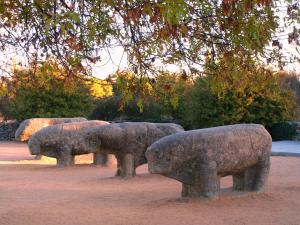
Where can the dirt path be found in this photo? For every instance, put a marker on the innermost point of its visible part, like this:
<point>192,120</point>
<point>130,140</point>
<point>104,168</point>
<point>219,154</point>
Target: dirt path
<point>36,193</point>
<point>14,151</point>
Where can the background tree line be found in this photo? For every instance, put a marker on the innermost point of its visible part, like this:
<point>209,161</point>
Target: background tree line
<point>228,93</point>
<point>44,90</point>
<point>225,46</point>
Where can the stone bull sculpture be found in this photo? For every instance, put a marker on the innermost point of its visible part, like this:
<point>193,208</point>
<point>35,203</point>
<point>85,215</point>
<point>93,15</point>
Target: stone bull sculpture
<point>64,141</point>
<point>30,126</point>
<point>198,158</point>
<point>128,142</point>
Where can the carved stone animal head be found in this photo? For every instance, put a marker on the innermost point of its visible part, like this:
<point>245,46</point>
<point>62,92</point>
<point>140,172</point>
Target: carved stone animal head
<point>166,154</point>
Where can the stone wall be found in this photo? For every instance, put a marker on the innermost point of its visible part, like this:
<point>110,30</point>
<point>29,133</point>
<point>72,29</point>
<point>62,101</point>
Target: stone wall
<point>8,129</point>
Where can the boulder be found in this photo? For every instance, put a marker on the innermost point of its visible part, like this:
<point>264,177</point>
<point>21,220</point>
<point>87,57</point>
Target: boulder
<point>8,129</point>
<point>128,142</point>
<point>28,127</point>
<point>64,141</point>
<point>198,158</point>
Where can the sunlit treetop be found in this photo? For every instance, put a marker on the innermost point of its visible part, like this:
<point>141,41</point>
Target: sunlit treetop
<point>184,33</point>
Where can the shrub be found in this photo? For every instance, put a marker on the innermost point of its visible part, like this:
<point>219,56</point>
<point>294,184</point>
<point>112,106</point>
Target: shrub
<point>282,131</point>
<point>291,81</point>
<point>152,112</point>
<point>32,103</point>
<point>45,90</point>
<point>106,109</point>
<point>3,101</point>
<point>110,109</point>
<point>232,94</point>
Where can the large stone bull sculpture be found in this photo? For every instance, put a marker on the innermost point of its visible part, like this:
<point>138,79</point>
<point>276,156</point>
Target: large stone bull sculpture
<point>128,142</point>
<point>64,141</point>
<point>30,126</point>
<point>198,158</point>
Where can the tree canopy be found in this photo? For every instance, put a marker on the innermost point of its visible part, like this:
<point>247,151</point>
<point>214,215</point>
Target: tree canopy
<point>43,90</point>
<point>238,94</point>
<point>185,33</point>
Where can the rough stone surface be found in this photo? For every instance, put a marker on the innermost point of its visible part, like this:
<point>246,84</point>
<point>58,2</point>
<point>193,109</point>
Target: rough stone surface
<point>198,158</point>
<point>64,141</point>
<point>28,127</point>
<point>128,142</point>
<point>8,129</point>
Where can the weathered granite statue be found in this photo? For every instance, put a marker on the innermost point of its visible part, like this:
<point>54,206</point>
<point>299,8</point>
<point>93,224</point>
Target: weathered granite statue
<point>28,127</point>
<point>128,142</point>
<point>198,158</point>
<point>64,141</point>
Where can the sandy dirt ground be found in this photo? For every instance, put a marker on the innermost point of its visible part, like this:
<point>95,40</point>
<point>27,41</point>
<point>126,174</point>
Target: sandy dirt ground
<point>38,193</point>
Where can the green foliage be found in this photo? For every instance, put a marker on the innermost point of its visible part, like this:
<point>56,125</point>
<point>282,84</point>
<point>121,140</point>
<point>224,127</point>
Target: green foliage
<point>143,99</point>
<point>169,89</point>
<point>128,86</point>
<point>32,103</point>
<point>291,81</point>
<point>3,89</point>
<point>44,90</point>
<point>109,109</point>
<point>186,33</point>
<point>3,93</point>
<point>98,88</point>
<point>231,93</point>
<point>180,32</point>
<point>106,109</point>
<point>282,131</point>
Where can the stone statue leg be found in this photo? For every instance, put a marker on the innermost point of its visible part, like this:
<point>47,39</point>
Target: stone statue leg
<point>254,178</point>
<point>126,167</point>
<point>263,168</point>
<point>118,173</point>
<point>100,158</point>
<point>65,158</point>
<point>238,181</point>
<point>207,183</point>
<point>249,179</point>
<point>245,180</point>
